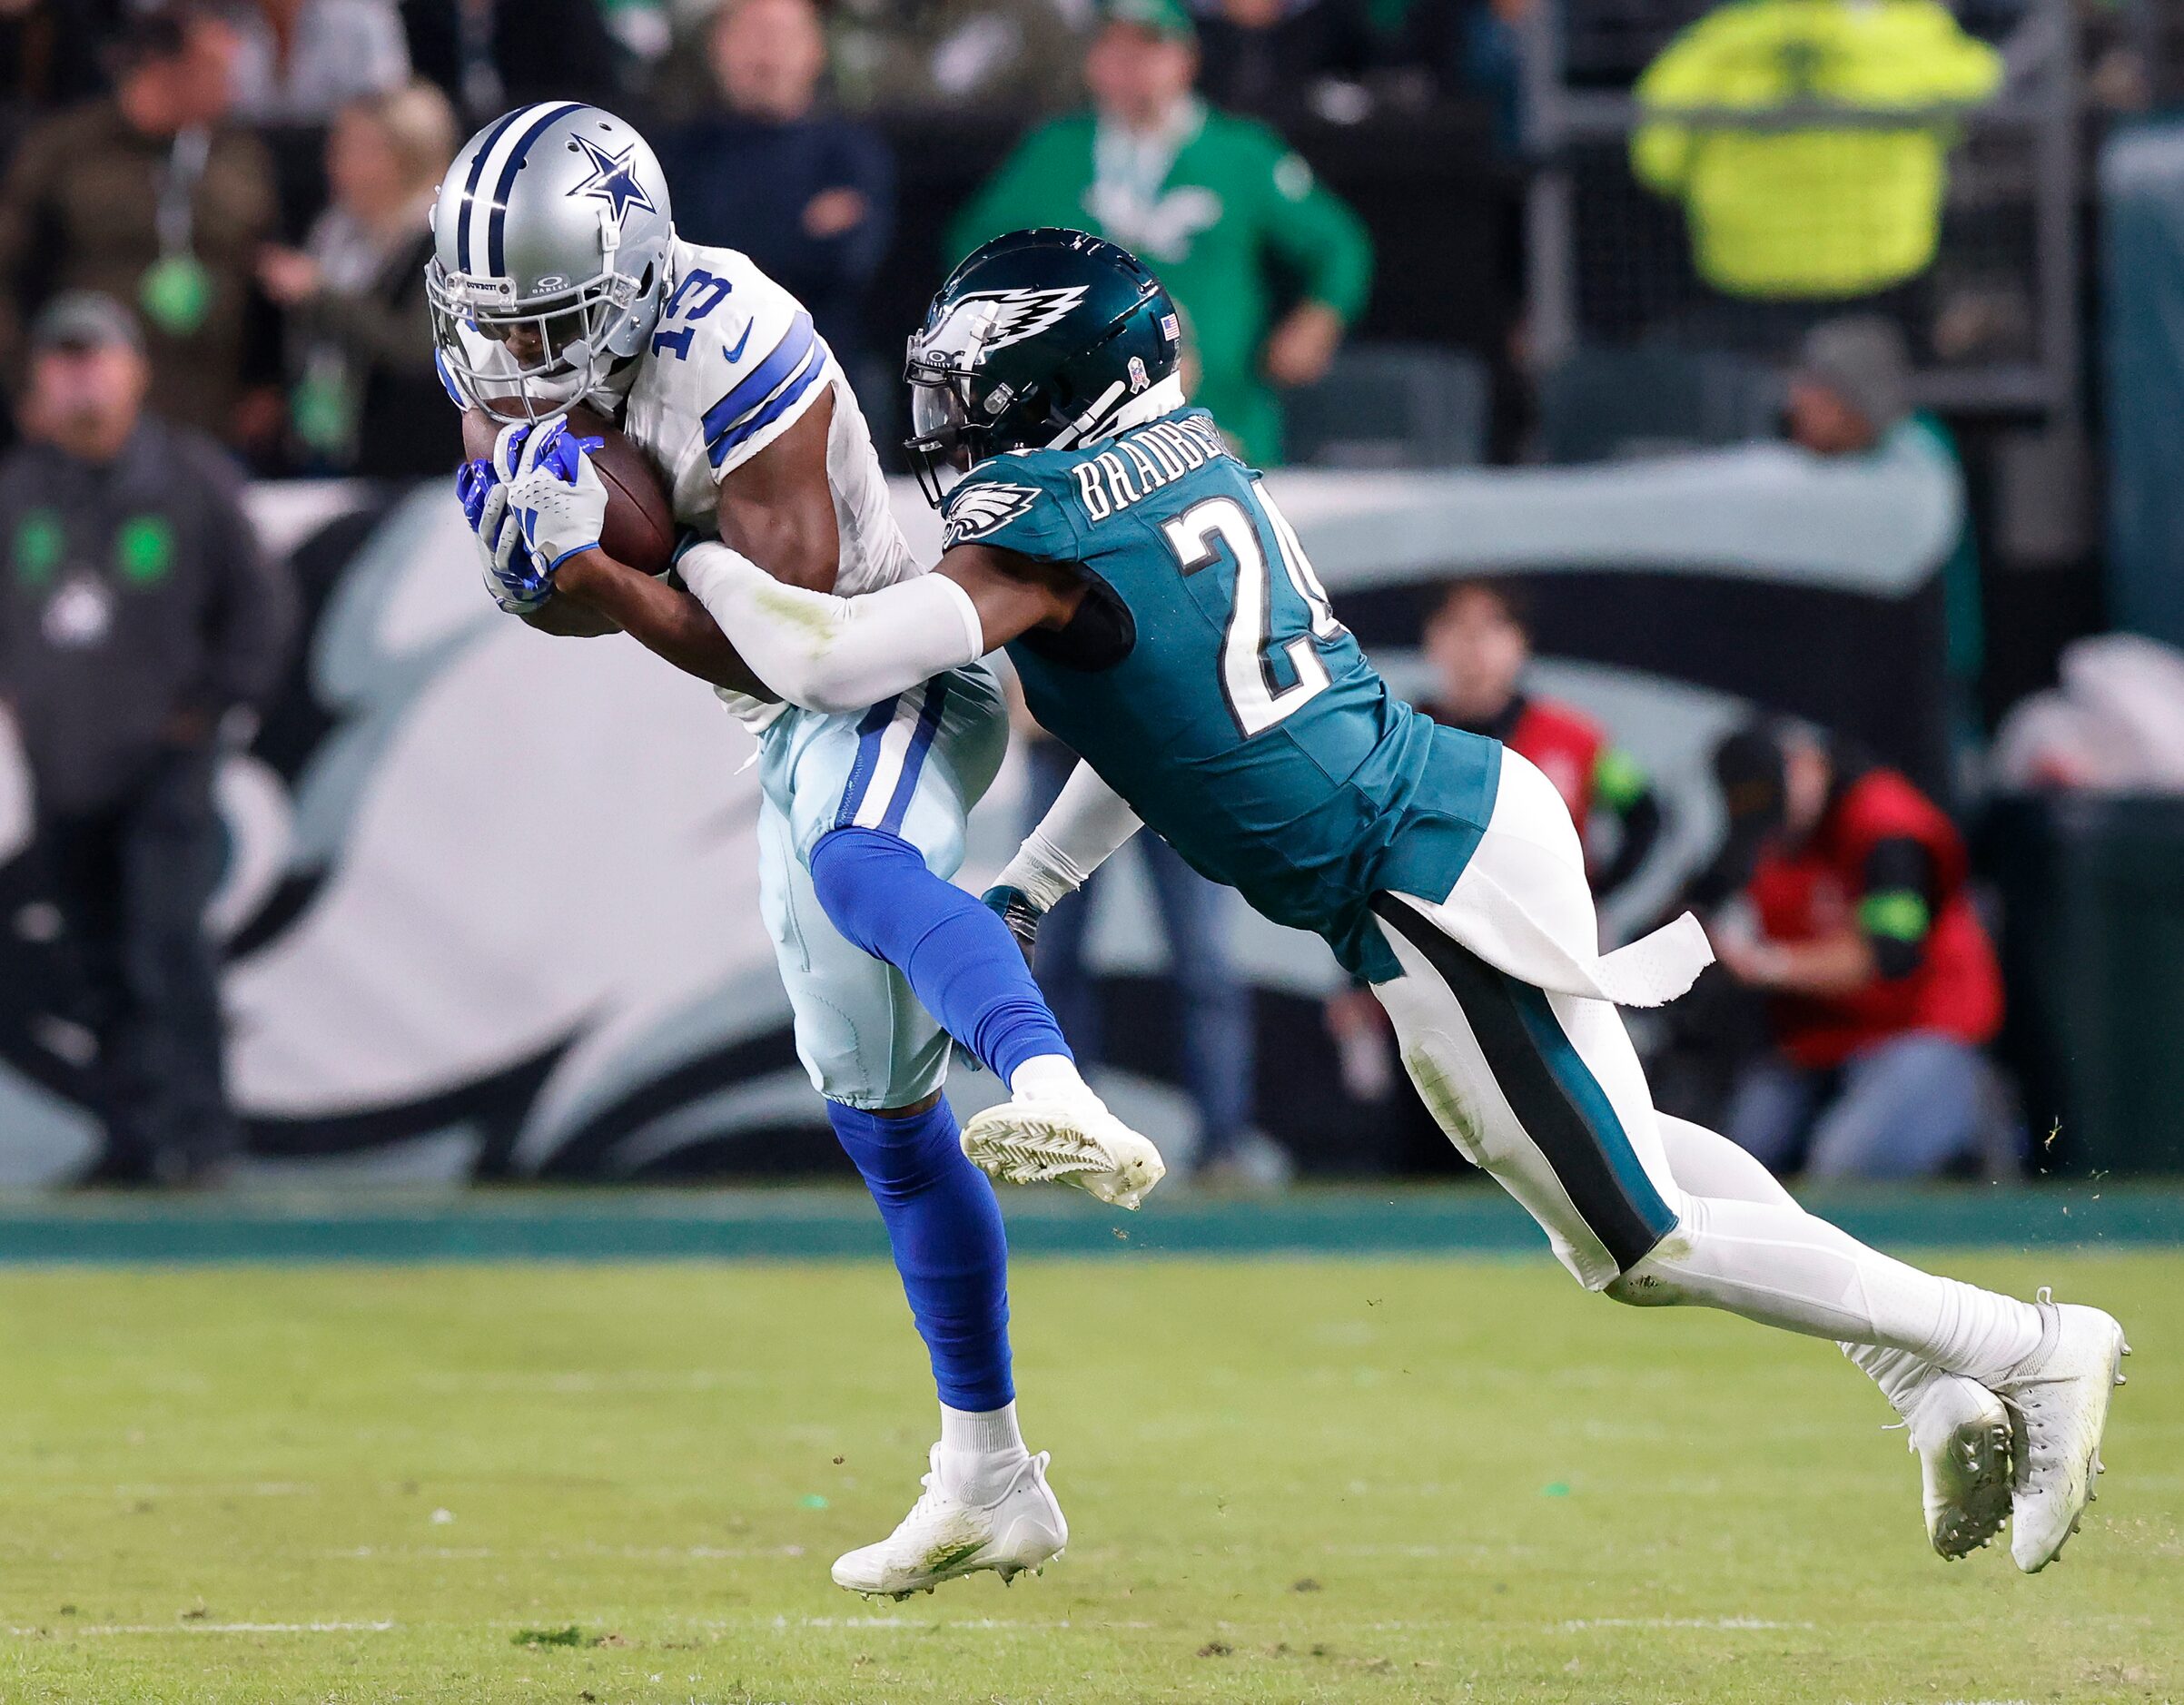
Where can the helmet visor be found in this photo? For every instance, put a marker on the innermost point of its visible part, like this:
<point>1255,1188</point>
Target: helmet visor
<point>937,414</point>
<point>941,427</point>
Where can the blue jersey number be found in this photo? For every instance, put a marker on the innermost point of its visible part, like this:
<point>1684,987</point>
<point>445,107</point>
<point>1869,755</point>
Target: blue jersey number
<point>698,294</point>
<point>1256,699</point>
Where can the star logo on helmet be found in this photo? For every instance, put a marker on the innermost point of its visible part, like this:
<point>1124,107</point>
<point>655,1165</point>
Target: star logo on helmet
<point>613,179</point>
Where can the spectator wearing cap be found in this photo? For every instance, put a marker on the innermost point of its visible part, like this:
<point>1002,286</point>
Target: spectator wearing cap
<point>152,197</point>
<point>1881,983</point>
<point>1850,395</point>
<point>805,193</point>
<point>299,61</point>
<point>361,400</point>
<point>136,612</point>
<point>1214,203</point>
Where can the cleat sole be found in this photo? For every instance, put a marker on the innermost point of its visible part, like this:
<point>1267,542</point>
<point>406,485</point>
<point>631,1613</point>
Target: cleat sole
<point>1014,1143</point>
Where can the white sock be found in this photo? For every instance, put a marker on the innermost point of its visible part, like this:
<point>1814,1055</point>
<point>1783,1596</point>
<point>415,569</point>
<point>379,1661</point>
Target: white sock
<point>1785,1267</point>
<point>978,1447</point>
<point>1047,1076</point>
<point>1706,1163</point>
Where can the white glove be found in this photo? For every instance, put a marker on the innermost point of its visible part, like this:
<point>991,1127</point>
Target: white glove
<point>553,491</point>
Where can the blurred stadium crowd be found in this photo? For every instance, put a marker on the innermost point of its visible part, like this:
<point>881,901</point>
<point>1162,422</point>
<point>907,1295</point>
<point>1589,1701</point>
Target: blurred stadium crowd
<point>1405,233</point>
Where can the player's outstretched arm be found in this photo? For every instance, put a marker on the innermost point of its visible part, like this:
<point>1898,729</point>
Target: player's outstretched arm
<point>831,654</point>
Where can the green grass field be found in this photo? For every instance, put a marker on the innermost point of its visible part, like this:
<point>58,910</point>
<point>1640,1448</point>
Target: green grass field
<point>1288,1480</point>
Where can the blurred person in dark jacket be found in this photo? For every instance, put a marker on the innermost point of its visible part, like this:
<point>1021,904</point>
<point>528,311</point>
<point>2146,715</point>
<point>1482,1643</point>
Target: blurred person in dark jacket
<point>137,613</point>
<point>808,194</point>
<point>49,53</point>
<point>362,395</point>
<point>154,198</point>
<point>489,55</point>
<point>1266,58</point>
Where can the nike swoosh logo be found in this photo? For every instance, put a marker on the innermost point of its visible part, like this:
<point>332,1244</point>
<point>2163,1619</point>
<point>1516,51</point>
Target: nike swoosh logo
<point>735,354</point>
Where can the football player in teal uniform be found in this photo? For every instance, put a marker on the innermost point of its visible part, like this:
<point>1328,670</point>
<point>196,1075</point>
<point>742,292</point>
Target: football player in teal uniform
<point>1168,628</point>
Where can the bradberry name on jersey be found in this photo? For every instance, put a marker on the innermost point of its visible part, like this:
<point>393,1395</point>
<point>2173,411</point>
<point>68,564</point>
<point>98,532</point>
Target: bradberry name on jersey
<point>1141,463</point>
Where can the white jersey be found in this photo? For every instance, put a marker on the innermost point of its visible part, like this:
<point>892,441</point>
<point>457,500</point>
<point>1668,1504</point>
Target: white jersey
<point>734,363</point>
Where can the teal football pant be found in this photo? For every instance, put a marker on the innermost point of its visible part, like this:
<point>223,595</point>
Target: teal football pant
<point>1544,1091</point>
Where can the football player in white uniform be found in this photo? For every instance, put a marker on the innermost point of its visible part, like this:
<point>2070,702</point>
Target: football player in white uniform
<point>557,279</point>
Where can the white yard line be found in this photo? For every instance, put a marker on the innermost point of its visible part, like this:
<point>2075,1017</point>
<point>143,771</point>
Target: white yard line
<point>65,1629</point>
<point>1735,1623</point>
<point>916,1625</point>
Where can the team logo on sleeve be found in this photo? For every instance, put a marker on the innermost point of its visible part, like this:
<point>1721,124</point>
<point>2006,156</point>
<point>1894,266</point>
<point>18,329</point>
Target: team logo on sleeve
<point>986,508</point>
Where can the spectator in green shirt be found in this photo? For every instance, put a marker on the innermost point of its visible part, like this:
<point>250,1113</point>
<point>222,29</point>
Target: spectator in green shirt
<point>1208,199</point>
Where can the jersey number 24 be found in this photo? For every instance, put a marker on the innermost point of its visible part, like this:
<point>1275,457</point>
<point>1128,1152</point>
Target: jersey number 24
<point>1258,699</point>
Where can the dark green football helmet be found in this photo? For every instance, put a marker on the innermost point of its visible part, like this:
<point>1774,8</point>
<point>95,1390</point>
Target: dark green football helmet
<point>1036,341</point>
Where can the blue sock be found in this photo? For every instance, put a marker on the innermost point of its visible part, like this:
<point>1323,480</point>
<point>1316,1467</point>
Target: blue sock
<point>945,1229</point>
<point>960,958</point>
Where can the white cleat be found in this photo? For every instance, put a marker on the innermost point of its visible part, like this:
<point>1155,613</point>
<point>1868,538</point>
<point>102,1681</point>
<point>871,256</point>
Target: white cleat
<point>944,1537</point>
<point>2058,1400</point>
<point>1961,1432</point>
<point>1067,1140</point>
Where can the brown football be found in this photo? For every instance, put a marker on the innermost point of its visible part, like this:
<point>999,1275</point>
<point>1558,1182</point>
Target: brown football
<point>640,520</point>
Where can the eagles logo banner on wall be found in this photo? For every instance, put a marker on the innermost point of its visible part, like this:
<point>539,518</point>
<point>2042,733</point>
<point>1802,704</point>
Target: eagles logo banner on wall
<point>491,897</point>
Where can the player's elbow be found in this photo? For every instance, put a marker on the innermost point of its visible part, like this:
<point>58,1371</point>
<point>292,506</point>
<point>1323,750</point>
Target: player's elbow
<point>827,696</point>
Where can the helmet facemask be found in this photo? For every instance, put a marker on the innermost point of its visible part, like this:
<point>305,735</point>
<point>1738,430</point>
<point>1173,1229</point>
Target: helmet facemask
<point>946,435</point>
<point>534,358</point>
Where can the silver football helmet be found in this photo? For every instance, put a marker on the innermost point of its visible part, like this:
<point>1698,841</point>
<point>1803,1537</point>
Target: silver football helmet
<point>552,239</point>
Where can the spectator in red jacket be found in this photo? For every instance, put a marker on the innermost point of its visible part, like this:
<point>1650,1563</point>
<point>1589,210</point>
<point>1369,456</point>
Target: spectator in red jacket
<point>1479,643</point>
<point>1881,983</point>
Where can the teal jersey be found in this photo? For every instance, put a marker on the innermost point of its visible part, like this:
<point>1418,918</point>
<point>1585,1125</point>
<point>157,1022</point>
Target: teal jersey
<point>1208,681</point>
